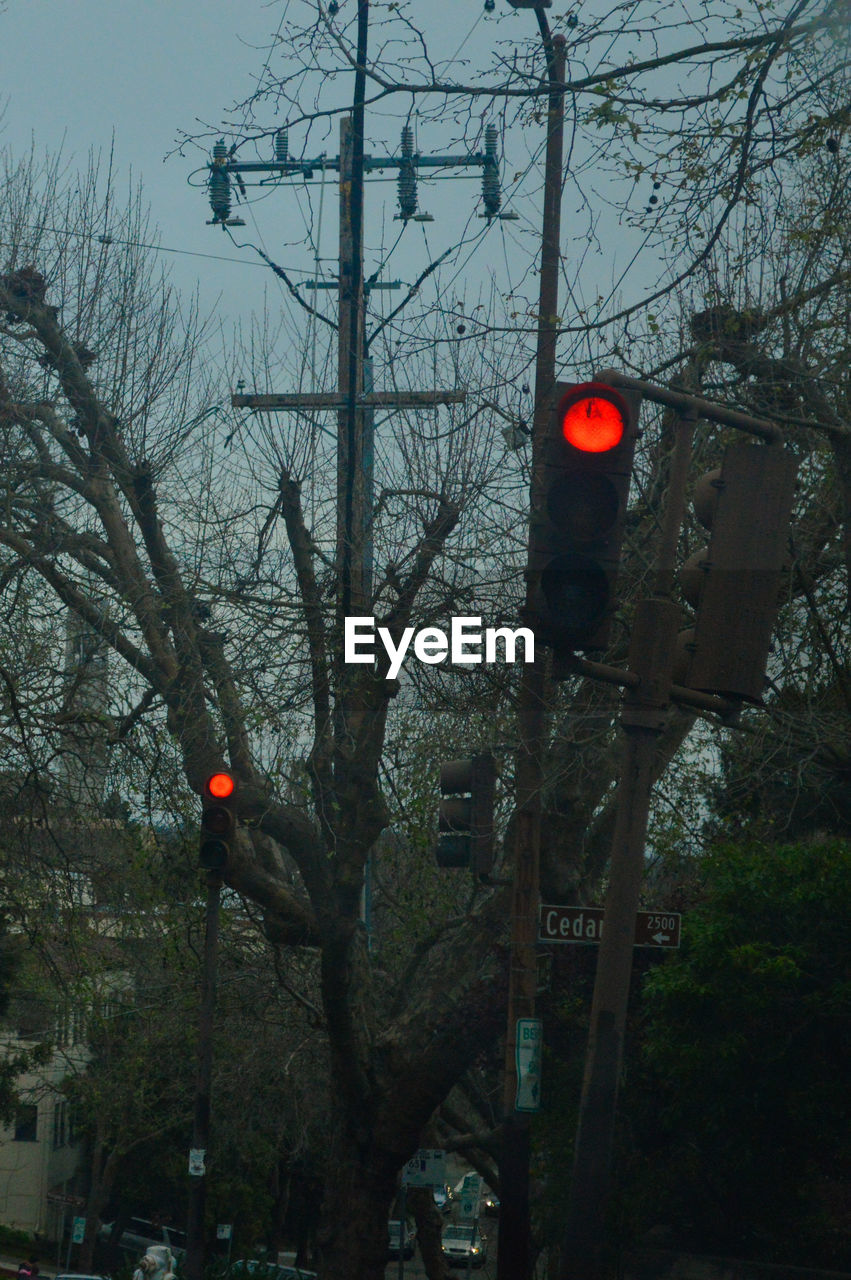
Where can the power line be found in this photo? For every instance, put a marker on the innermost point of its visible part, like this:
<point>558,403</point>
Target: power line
<point>140,244</point>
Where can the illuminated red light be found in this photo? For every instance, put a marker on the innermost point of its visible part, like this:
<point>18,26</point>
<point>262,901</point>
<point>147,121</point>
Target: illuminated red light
<point>594,423</point>
<point>220,785</point>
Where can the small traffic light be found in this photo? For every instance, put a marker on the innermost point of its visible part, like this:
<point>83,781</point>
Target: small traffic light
<point>577,518</point>
<point>465,837</point>
<point>218,821</point>
<point>734,583</point>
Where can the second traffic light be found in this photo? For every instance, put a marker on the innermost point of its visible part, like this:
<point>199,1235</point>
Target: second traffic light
<point>465,837</point>
<point>734,583</point>
<point>577,518</point>
<point>218,821</point>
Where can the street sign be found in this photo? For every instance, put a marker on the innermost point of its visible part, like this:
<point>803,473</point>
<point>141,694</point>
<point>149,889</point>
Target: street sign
<point>61,1198</point>
<point>585,924</point>
<point>223,1230</point>
<point>426,1169</point>
<point>530,1033</point>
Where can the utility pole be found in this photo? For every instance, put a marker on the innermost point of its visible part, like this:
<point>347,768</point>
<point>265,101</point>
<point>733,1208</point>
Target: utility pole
<point>645,707</point>
<point>194,1266</point>
<point>514,1258</point>
<point>649,690</point>
<point>355,400</point>
<point>350,311</point>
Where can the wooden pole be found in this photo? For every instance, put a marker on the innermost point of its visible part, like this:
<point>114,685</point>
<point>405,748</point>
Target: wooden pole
<point>586,1254</point>
<point>514,1260</point>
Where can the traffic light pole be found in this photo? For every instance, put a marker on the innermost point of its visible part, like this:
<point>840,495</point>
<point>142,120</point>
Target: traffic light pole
<point>514,1255</point>
<point>653,642</point>
<point>194,1263</point>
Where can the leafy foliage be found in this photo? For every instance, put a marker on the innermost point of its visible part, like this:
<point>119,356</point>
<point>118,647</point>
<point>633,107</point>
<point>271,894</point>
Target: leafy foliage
<point>741,1101</point>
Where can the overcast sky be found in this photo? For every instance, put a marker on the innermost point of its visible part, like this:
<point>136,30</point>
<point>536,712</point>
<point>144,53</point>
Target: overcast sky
<point>80,74</point>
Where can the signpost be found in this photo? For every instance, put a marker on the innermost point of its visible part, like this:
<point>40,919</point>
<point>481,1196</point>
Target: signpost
<point>426,1169</point>
<point>224,1231</point>
<point>585,924</point>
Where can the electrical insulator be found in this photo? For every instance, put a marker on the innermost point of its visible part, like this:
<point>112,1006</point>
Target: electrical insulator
<point>407,181</point>
<point>219,184</point>
<point>282,145</point>
<point>491,196</point>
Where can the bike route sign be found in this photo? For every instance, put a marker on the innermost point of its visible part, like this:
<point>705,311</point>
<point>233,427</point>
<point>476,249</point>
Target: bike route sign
<point>585,924</point>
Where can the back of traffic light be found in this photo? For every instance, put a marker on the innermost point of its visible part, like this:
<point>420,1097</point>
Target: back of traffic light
<point>465,822</point>
<point>218,821</point>
<point>734,583</point>
<point>577,518</point>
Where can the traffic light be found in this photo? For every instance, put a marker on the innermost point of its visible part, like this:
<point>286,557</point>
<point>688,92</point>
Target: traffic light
<point>218,821</point>
<point>578,513</point>
<point>734,583</point>
<point>465,836</point>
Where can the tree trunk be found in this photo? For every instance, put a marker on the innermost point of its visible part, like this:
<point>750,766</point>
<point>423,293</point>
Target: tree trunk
<point>353,1236</point>
<point>429,1222</point>
<point>104,1169</point>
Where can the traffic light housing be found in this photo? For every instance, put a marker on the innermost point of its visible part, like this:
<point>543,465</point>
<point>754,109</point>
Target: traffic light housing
<point>578,513</point>
<point>734,583</point>
<point>465,823</point>
<point>218,820</point>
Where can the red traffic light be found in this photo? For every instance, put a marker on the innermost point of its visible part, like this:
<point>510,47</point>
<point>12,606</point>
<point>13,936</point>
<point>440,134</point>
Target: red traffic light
<point>220,786</point>
<point>218,821</point>
<point>593,417</point>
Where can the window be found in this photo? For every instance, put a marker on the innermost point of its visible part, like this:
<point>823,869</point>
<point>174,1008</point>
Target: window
<point>26,1123</point>
<point>60,1124</point>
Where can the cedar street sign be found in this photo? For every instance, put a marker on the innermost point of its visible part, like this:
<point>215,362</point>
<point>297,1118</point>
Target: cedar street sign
<point>585,924</point>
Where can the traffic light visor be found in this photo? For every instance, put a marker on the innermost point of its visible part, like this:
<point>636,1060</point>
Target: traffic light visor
<point>220,786</point>
<point>593,417</point>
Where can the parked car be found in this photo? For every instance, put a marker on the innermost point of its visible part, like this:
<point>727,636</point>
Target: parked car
<point>140,1234</point>
<point>463,1241</point>
<point>394,1231</point>
<point>78,1275</point>
<point>490,1202</point>
<point>267,1270</point>
<point>442,1198</point>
